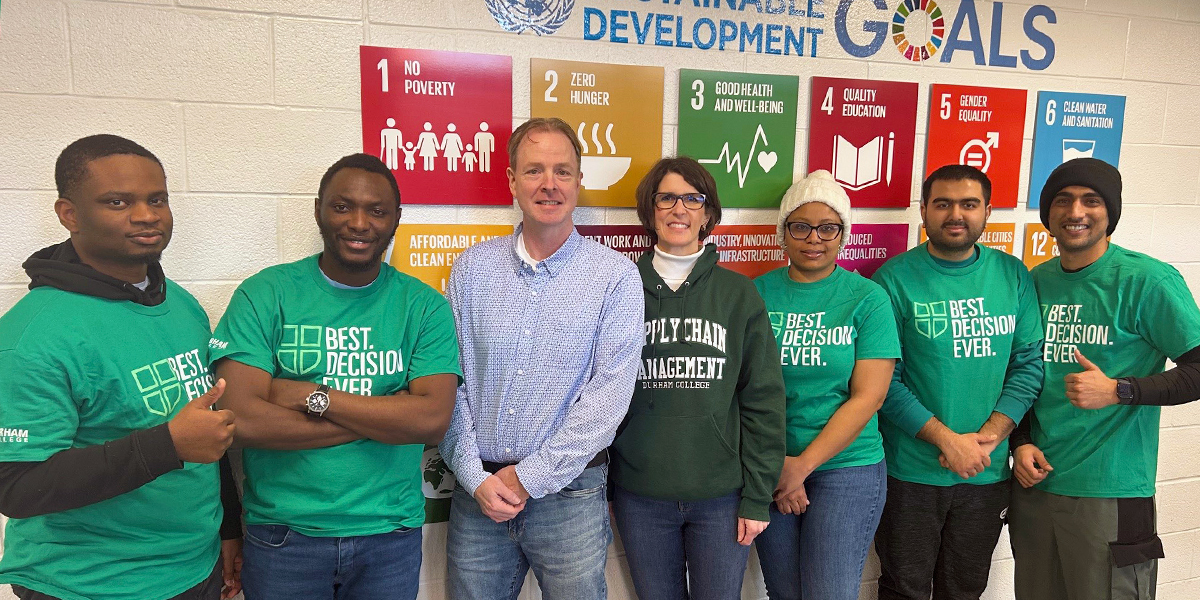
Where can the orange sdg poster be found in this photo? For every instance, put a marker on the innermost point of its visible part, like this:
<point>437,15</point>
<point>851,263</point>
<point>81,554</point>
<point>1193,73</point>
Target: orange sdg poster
<point>1001,236</point>
<point>1039,245</point>
<point>616,110</point>
<point>428,251</point>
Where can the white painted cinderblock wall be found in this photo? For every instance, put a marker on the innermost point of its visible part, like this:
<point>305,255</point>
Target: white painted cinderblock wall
<point>248,101</point>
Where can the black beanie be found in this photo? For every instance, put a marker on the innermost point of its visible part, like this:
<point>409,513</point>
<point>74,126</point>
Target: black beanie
<point>1087,172</point>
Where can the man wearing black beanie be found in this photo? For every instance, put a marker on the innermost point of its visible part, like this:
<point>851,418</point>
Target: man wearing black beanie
<point>1082,521</point>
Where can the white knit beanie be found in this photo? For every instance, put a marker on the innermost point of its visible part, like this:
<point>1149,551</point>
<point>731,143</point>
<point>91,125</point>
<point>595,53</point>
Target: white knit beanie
<point>819,186</point>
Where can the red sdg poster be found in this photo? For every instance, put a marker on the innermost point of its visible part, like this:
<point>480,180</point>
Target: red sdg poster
<point>981,127</point>
<point>440,121</point>
<point>864,132</point>
<point>871,245</point>
<point>747,249</point>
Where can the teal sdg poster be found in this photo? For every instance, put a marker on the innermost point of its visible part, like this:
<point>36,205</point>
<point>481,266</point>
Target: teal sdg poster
<point>1072,125</point>
<point>742,128</point>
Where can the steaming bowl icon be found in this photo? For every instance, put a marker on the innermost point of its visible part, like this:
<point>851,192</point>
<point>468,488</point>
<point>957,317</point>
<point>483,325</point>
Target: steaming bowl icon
<point>600,172</point>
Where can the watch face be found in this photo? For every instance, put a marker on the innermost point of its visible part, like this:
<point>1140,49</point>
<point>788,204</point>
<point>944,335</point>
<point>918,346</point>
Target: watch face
<point>318,402</point>
<point>1124,389</point>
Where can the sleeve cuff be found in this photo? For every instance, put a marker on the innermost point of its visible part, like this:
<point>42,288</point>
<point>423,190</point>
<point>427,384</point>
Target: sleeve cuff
<point>470,475</point>
<point>914,419</point>
<point>1011,408</point>
<point>157,450</point>
<point>536,486</point>
<point>754,510</point>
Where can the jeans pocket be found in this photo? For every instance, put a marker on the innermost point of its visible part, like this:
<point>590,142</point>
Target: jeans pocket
<point>268,536</point>
<point>589,483</point>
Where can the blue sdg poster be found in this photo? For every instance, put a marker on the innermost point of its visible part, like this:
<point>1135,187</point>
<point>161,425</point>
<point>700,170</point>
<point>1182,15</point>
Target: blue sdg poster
<point>1071,125</point>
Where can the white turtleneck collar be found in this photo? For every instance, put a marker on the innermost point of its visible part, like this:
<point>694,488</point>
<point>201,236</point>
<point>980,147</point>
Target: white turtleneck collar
<point>674,269</point>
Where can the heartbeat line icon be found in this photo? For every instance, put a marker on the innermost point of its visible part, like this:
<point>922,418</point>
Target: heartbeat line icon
<point>765,160</point>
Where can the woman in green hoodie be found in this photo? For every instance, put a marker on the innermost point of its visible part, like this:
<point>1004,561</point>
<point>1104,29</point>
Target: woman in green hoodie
<point>699,454</point>
<point>837,346</point>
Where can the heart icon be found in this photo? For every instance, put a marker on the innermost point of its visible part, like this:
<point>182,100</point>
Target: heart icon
<point>767,160</point>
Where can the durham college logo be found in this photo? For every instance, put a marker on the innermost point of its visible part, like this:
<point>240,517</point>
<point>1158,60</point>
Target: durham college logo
<point>300,350</point>
<point>543,17</point>
<point>930,318</point>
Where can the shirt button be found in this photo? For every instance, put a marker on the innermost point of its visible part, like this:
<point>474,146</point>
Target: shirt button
<point>520,372</point>
<point>534,293</point>
<point>511,411</point>
<point>526,332</point>
<point>508,449</point>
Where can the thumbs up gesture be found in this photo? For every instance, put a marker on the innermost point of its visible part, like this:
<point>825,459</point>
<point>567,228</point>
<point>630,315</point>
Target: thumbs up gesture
<point>1090,388</point>
<point>201,434</point>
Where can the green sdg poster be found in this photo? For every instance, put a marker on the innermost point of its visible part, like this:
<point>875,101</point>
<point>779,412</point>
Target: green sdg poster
<point>742,128</point>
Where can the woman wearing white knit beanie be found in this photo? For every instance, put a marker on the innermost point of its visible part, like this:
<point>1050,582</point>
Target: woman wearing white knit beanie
<point>838,344</point>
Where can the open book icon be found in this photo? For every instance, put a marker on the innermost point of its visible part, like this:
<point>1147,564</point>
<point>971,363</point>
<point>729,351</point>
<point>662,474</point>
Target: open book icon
<point>859,167</point>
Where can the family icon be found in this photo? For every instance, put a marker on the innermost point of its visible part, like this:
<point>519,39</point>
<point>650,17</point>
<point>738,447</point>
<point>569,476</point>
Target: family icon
<point>476,154</point>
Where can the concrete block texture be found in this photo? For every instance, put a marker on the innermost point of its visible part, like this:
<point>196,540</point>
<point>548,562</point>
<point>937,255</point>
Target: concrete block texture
<point>36,128</point>
<point>153,52</point>
<point>34,47</point>
<point>265,149</point>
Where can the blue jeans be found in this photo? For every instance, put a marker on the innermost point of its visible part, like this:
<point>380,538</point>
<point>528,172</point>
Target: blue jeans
<point>283,564</point>
<point>669,542</point>
<point>819,554</point>
<point>563,537</point>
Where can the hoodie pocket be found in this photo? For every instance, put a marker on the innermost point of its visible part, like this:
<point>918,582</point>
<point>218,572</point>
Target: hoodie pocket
<point>675,456</point>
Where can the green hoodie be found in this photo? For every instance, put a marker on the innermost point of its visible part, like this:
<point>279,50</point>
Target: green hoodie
<point>707,415</point>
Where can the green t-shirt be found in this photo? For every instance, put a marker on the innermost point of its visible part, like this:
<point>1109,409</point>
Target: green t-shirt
<point>289,321</point>
<point>959,329</point>
<point>821,329</point>
<point>1127,313</point>
<point>77,371</point>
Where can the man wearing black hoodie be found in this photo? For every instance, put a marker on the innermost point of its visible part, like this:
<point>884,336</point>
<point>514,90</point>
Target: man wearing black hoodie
<point>108,444</point>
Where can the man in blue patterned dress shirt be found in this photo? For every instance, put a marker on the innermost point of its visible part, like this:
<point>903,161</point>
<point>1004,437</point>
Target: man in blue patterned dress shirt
<point>550,329</point>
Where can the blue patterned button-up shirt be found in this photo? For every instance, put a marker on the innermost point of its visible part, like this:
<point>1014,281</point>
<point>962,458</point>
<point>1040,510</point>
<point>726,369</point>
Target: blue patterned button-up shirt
<point>549,355</point>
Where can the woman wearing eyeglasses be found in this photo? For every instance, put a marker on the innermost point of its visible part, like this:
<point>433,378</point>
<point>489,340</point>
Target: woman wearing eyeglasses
<point>837,344</point>
<point>699,453</point>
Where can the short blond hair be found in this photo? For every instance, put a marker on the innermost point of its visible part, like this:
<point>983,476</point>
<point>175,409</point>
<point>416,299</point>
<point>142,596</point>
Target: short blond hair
<point>553,124</point>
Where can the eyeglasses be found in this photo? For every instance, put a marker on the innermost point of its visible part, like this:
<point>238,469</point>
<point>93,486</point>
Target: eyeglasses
<point>667,201</point>
<point>825,231</point>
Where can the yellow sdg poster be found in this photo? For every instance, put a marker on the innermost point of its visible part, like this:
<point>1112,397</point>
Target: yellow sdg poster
<point>616,110</point>
<point>1001,236</point>
<point>428,251</point>
<point>1039,245</point>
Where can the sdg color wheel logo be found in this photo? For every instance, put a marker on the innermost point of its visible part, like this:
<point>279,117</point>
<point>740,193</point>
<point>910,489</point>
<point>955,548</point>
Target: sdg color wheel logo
<point>542,17</point>
<point>914,47</point>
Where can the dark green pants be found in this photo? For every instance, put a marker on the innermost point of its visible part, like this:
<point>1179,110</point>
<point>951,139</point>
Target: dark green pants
<point>1069,548</point>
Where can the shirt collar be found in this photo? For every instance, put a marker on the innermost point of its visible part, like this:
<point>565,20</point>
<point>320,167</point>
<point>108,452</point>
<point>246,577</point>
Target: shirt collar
<point>554,263</point>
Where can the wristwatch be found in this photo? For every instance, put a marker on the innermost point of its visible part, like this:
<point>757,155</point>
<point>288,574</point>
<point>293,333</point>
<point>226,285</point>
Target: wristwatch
<point>1124,390</point>
<point>318,401</point>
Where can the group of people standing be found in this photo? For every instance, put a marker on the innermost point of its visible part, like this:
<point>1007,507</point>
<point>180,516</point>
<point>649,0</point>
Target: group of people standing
<point>811,410</point>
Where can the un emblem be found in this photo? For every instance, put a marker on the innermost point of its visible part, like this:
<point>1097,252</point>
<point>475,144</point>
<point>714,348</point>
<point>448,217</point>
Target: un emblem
<point>543,17</point>
<point>930,318</point>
